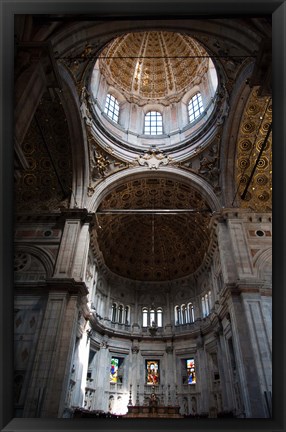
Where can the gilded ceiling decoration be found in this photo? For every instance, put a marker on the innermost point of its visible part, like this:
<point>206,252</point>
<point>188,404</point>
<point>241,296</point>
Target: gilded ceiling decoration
<point>153,247</point>
<point>46,184</point>
<point>153,65</point>
<point>253,130</point>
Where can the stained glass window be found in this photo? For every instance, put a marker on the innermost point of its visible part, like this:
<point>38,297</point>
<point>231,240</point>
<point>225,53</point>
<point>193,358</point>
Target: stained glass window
<point>195,107</point>
<point>191,372</point>
<point>114,370</point>
<point>152,372</point>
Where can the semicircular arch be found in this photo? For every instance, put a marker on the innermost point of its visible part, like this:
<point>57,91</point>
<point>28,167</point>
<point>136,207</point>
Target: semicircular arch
<point>117,179</point>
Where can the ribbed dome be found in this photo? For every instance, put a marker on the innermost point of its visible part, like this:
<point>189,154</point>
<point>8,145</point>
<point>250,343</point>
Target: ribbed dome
<point>153,66</point>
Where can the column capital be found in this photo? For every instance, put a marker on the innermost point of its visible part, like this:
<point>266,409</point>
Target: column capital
<point>68,285</point>
<point>81,214</point>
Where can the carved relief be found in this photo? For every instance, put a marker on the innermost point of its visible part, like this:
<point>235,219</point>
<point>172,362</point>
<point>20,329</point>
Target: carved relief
<point>102,163</point>
<point>206,164</point>
<point>153,159</point>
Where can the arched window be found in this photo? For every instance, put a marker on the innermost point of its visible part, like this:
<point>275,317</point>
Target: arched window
<point>145,317</point>
<point>210,301</point>
<point>204,307</point>
<point>126,319</point>
<point>152,316</point>
<point>185,314</point>
<point>113,312</point>
<point>159,317</point>
<point>112,108</point>
<point>207,304</point>
<point>177,315</point>
<point>153,123</point>
<point>184,317</point>
<point>120,314</point>
<point>195,107</point>
<point>191,315</point>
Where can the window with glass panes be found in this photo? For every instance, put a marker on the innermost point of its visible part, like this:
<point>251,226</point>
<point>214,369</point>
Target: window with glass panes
<point>152,315</point>
<point>195,107</point>
<point>112,108</point>
<point>153,123</point>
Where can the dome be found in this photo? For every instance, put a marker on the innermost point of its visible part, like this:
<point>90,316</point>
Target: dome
<point>153,65</point>
<point>156,78</point>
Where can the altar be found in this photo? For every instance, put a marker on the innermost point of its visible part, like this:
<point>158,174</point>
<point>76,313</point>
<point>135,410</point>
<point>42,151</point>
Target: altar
<point>153,412</point>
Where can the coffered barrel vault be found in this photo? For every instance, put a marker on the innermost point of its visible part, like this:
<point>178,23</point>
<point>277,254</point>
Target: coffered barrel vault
<point>154,246</point>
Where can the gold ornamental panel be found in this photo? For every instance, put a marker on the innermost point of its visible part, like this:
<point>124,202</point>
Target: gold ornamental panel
<point>37,188</point>
<point>253,131</point>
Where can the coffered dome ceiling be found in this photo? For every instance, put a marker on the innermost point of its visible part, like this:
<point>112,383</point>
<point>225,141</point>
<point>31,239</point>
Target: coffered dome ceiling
<point>153,65</point>
<point>153,247</point>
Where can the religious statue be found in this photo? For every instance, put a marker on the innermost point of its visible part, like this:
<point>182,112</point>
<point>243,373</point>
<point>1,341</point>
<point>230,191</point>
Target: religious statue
<point>153,402</point>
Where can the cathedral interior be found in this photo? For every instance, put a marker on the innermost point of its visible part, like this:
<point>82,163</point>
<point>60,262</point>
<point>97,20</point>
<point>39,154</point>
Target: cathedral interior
<point>143,217</point>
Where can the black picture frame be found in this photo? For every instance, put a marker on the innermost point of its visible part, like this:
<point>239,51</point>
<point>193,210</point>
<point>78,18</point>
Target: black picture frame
<point>137,10</point>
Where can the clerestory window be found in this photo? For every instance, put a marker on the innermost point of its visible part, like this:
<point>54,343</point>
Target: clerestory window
<point>112,108</point>
<point>153,123</point>
<point>184,314</point>
<point>195,107</point>
<point>206,304</point>
<point>120,314</point>
<point>151,316</point>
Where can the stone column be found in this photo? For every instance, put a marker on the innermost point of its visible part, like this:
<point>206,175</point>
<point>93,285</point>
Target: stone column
<point>167,318</point>
<point>102,377</point>
<point>170,361</point>
<point>73,252</point>
<point>81,366</point>
<point>227,259</point>
<point>134,377</point>
<point>245,361</point>
<point>107,305</point>
<point>226,379</point>
<point>202,387</point>
<point>50,376</point>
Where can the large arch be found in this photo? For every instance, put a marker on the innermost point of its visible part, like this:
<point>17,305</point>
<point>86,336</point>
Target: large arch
<point>80,160</point>
<point>171,172</point>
